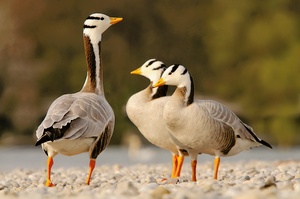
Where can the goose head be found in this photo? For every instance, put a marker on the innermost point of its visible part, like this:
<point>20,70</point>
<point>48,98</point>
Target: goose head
<point>96,24</point>
<point>178,75</point>
<point>151,69</point>
<point>175,75</point>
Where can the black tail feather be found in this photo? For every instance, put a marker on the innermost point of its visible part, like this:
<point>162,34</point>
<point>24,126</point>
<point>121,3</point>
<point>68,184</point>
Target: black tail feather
<point>44,138</point>
<point>265,143</point>
<point>255,137</point>
<point>51,134</point>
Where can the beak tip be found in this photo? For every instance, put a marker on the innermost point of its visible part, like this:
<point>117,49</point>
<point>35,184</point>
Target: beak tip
<point>115,20</point>
<point>155,85</point>
<point>136,72</point>
<point>160,82</point>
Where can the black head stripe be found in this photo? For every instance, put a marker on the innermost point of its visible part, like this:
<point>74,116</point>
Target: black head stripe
<point>87,26</point>
<point>185,71</point>
<point>151,62</point>
<point>174,68</point>
<point>161,66</point>
<point>93,18</point>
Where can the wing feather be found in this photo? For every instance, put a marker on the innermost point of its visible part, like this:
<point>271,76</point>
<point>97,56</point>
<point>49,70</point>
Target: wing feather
<point>226,116</point>
<point>87,113</point>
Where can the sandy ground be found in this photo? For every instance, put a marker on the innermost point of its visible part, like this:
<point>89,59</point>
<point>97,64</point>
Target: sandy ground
<point>251,174</point>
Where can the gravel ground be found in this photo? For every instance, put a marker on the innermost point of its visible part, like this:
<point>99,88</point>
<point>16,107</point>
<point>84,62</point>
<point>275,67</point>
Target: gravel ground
<point>242,179</point>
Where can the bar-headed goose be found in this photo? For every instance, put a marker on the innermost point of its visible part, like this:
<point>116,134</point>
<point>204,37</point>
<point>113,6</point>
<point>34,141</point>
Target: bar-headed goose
<point>203,126</point>
<point>145,110</point>
<point>82,121</point>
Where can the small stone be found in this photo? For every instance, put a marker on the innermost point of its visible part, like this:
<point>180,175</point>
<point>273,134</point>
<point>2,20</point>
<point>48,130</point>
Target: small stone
<point>159,192</point>
<point>270,179</point>
<point>269,183</point>
<point>112,181</point>
<point>188,194</point>
<point>149,179</point>
<point>2,187</point>
<point>284,176</point>
<point>126,188</point>
<point>206,185</point>
<point>246,178</point>
<point>168,181</point>
<point>297,187</point>
<point>297,176</point>
<point>252,171</point>
<point>148,187</point>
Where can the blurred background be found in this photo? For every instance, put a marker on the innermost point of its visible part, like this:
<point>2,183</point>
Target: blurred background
<point>245,54</point>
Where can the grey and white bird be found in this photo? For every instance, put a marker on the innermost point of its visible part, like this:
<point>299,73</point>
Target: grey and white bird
<point>203,126</point>
<point>82,121</point>
<point>145,110</point>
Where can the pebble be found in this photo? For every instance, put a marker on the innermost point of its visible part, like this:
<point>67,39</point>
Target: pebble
<point>254,180</point>
<point>284,176</point>
<point>126,188</point>
<point>159,192</point>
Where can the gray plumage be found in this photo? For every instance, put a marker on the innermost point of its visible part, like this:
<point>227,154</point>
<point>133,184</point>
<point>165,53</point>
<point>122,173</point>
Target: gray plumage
<point>87,113</point>
<point>145,110</point>
<point>82,121</point>
<point>203,126</point>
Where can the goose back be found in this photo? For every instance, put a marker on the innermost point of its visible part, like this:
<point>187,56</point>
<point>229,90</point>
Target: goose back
<point>87,114</point>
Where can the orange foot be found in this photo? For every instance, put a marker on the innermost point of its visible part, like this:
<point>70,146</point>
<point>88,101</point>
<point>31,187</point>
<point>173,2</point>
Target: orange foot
<point>49,183</point>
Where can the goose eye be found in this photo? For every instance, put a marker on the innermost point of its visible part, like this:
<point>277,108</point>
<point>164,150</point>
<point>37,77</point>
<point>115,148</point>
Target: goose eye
<point>102,18</point>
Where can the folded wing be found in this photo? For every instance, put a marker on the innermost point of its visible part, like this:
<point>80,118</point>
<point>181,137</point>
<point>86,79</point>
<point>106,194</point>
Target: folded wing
<point>85,116</point>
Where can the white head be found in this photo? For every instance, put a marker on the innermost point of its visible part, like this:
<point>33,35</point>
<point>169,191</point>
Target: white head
<point>178,75</point>
<point>175,75</point>
<point>96,24</point>
<point>152,69</point>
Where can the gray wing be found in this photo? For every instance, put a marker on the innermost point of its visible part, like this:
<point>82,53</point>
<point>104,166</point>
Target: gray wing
<point>87,113</point>
<point>226,116</point>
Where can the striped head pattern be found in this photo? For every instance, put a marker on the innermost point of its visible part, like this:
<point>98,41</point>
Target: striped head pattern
<point>151,69</point>
<point>96,24</point>
<point>176,75</point>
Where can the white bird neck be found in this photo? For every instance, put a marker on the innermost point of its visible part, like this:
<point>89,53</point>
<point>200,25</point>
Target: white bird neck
<point>185,93</point>
<point>94,78</point>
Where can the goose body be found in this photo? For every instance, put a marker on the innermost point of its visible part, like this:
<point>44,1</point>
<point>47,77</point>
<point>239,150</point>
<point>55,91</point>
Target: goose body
<point>84,115</point>
<point>203,126</point>
<point>145,110</point>
<point>82,121</point>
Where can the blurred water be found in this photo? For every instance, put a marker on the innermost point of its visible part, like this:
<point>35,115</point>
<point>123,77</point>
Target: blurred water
<point>34,158</point>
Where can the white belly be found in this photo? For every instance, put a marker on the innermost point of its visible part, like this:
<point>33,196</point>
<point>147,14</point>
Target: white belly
<point>68,147</point>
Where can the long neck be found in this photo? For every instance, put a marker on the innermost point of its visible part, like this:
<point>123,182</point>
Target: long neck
<point>94,79</point>
<point>190,96</point>
<point>186,93</point>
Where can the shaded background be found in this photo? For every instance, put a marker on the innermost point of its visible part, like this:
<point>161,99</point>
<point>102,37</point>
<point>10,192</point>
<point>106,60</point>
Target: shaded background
<point>245,54</point>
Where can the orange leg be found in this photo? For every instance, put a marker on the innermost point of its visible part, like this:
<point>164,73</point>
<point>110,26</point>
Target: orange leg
<point>174,165</point>
<point>180,160</point>
<point>49,166</point>
<point>92,166</point>
<point>216,167</point>
<point>194,166</point>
